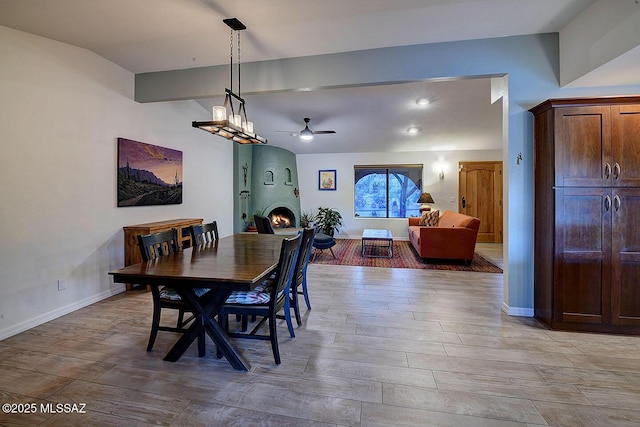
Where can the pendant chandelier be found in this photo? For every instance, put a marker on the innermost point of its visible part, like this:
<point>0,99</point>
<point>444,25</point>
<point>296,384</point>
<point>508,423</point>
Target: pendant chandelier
<point>228,121</point>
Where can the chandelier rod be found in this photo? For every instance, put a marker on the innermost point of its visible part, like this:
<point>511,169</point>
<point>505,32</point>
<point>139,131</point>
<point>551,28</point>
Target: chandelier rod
<point>231,58</point>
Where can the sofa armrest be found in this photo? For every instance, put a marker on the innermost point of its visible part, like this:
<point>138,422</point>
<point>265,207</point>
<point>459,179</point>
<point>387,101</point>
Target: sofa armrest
<point>414,220</point>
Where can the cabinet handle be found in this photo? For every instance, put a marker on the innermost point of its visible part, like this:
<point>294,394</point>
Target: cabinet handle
<point>464,202</point>
<point>616,203</point>
<point>607,203</point>
<point>616,170</point>
<point>607,171</point>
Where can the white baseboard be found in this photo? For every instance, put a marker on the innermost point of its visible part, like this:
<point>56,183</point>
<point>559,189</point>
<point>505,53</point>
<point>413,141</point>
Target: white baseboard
<point>517,311</point>
<point>60,311</point>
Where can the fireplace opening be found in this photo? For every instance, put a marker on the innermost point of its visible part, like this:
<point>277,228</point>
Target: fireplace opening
<point>282,218</point>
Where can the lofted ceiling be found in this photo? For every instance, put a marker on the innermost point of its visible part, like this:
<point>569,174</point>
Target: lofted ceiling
<point>158,35</point>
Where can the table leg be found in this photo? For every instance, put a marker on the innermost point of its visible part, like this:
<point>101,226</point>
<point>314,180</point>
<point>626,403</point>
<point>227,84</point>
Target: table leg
<point>219,337</point>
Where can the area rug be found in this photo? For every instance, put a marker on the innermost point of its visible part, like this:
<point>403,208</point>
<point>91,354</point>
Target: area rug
<point>348,252</point>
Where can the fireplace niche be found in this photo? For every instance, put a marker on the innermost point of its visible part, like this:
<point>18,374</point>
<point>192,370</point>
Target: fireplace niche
<point>265,181</point>
<point>282,217</point>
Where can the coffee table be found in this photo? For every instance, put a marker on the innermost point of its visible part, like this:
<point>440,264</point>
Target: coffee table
<point>372,235</point>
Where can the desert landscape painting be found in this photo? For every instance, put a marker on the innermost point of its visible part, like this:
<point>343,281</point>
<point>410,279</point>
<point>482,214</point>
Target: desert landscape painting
<point>148,174</point>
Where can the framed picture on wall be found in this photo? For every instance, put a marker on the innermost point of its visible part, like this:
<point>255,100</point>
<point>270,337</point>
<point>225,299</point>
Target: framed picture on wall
<point>327,179</point>
<point>148,174</point>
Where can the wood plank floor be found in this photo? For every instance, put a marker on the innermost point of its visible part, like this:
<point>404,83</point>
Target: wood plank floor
<point>381,347</point>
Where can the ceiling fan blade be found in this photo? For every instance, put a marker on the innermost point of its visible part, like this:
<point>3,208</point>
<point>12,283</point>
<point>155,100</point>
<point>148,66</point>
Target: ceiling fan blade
<point>317,132</point>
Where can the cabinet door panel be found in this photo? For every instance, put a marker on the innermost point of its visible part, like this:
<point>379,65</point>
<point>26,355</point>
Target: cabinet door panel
<point>625,144</point>
<point>583,146</point>
<point>626,257</point>
<point>583,253</point>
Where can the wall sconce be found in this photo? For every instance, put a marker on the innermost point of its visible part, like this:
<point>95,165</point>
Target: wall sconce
<point>441,175</point>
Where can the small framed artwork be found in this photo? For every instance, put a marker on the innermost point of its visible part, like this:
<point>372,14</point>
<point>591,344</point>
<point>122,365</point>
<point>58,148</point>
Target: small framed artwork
<point>327,179</point>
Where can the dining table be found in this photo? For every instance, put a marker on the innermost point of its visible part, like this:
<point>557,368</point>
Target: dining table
<point>238,262</point>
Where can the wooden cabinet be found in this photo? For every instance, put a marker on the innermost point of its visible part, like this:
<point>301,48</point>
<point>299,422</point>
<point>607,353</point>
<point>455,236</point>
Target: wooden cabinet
<point>131,249</point>
<point>587,194</point>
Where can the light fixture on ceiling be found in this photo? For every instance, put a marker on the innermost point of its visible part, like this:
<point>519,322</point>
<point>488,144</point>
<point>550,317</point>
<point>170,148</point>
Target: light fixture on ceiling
<point>413,130</point>
<point>306,134</point>
<point>423,200</point>
<point>422,101</point>
<point>228,122</point>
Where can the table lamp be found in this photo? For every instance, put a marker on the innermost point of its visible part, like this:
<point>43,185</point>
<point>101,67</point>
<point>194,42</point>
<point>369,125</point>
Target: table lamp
<point>423,200</point>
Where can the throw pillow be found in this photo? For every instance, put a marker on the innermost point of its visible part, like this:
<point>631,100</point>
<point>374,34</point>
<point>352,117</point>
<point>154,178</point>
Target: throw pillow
<point>423,218</point>
<point>432,218</point>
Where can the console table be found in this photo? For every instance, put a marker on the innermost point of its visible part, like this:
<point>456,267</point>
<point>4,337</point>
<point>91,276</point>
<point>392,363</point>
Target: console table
<point>131,249</point>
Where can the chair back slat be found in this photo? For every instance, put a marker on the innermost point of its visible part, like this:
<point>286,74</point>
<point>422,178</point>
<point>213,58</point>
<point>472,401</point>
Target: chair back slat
<point>286,267</point>
<point>204,233</point>
<point>302,262</point>
<point>156,245</point>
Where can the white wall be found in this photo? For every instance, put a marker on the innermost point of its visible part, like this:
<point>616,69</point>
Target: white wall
<point>342,199</point>
<point>62,109</point>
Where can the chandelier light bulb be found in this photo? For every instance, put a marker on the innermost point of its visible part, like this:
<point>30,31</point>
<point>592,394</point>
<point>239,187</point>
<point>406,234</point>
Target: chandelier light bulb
<point>219,113</point>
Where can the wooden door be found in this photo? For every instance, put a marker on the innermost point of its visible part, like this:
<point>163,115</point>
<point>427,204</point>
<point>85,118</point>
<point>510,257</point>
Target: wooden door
<point>583,255</point>
<point>625,308</point>
<point>480,195</point>
<point>625,142</point>
<point>583,146</point>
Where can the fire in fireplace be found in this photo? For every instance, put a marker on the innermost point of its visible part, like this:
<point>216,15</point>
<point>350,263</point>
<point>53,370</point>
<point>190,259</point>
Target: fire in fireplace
<point>282,218</point>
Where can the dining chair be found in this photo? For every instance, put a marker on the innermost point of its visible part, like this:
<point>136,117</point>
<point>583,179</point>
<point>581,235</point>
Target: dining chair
<point>266,300</point>
<point>153,246</point>
<point>299,278</point>
<point>263,224</point>
<point>204,233</point>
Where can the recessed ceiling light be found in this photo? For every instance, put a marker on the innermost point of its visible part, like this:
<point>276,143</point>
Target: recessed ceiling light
<point>422,101</point>
<point>413,130</point>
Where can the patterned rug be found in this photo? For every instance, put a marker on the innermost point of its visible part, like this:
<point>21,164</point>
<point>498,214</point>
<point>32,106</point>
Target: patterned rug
<point>348,252</point>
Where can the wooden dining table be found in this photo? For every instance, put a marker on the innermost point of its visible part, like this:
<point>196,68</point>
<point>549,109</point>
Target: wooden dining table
<point>239,262</point>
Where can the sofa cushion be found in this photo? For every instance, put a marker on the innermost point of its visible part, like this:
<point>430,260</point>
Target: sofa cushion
<point>450,219</point>
<point>432,218</point>
<point>423,218</point>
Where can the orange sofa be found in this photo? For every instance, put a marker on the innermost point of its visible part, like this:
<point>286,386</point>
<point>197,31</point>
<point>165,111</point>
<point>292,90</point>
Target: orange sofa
<point>453,237</point>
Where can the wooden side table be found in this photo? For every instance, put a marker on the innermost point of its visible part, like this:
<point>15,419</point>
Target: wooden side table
<point>131,249</point>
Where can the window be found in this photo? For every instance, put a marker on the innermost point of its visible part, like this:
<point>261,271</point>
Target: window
<point>387,191</point>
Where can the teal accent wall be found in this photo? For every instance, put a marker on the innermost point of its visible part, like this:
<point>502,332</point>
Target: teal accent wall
<point>271,182</point>
<point>243,158</point>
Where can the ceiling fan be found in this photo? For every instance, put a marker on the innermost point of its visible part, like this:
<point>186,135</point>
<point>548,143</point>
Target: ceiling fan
<point>307,134</point>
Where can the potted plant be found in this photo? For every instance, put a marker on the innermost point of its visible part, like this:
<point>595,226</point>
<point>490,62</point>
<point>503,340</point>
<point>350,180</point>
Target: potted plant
<point>329,220</point>
<point>306,219</point>
<point>251,227</point>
